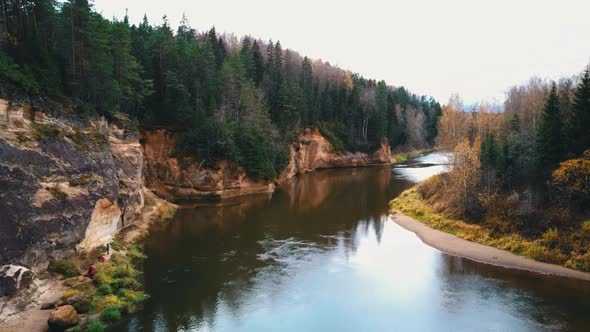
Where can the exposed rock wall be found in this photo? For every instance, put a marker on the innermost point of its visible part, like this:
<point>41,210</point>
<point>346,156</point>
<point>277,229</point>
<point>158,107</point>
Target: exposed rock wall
<point>13,278</point>
<point>313,151</point>
<point>64,183</point>
<point>181,180</point>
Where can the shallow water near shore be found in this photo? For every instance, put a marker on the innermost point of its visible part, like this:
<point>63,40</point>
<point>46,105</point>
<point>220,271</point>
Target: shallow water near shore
<point>321,254</point>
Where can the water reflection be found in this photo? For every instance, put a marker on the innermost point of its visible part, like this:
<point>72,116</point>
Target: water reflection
<point>423,167</point>
<point>322,255</point>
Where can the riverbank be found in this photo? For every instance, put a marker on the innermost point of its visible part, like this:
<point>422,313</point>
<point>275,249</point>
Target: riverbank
<point>116,287</point>
<point>398,158</point>
<point>460,239</point>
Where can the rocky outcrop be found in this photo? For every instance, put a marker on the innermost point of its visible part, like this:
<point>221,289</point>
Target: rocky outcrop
<point>13,278</point>
<point>65,183</point>
<point>183,180</point>
<point>313,151</point>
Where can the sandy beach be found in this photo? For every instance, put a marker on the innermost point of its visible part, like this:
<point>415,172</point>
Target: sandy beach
<point>455,246</point>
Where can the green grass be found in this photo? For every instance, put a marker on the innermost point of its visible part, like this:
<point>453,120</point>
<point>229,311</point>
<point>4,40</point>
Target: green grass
<point>110,313</point>
<point>116,289</point>
<point>96,326</point>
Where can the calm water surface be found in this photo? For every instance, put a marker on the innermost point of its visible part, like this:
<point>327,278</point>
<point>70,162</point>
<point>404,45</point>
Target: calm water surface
<point>321,254</point>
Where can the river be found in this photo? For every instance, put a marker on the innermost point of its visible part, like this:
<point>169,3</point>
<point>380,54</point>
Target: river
<point>321,254</point>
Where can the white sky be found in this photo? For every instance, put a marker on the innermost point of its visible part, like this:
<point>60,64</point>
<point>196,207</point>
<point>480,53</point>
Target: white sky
<point>476,48</point>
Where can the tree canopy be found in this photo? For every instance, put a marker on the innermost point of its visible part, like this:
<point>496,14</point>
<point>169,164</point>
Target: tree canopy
<point>214,89</point>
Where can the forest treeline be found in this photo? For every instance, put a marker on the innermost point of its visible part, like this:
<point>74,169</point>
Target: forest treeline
<point>523,173</point>
<point>236,99</point>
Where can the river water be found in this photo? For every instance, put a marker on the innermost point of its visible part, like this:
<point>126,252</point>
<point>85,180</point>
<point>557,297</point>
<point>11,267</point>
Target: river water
<point>321,254</point>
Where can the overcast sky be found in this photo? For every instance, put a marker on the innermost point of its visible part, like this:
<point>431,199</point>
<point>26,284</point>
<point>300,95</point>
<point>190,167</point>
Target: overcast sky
<point>475,48</point>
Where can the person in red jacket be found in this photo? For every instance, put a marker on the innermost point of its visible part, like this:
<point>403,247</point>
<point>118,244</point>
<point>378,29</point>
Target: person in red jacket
<point>91,271</point>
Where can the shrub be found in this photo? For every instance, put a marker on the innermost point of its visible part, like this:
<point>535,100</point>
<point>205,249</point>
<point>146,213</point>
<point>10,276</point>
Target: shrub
<point>103,278</point>
<point>105,289</point>
<point>544,254</point>
<point>96,326</point>
<point>112,300</point>
<point>556,216</point>
<point>580,262</point>
<point>337,143</point>
<point>126,282</point>
<point>167,211</point>
<point>132,296</point>
<point>116,243</point>
<point>110,313</point>
<point>21,77</point>
<point>551,238</point>
<point>45,132</point>
<point>66,267</point>
<point>566,180</point>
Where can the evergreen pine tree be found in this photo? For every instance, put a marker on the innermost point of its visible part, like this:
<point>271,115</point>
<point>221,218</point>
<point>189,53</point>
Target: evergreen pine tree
<point>581,115</point>
<point>549,133</point>
<point>258,63</point>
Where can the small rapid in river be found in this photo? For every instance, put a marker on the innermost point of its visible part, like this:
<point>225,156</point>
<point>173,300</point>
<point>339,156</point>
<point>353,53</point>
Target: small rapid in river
<point>321,254</point>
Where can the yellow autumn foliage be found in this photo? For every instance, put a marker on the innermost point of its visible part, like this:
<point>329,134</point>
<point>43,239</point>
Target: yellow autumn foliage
<point>572,178</point>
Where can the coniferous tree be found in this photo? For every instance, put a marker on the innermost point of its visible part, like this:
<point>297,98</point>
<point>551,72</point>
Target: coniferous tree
<point>580,124</point>
<point>549,133</point>
<point>193,83</point>
<point>258,63</point>
<point>247,59</point>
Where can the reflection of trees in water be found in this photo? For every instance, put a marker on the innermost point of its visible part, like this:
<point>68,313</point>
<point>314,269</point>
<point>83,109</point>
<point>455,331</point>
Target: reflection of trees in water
<point>226,254</point>
<point>552,302</point>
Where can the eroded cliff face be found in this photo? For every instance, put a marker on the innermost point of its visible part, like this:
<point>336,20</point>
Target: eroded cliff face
<point>184,180</point>
<point>313,151</point>
<point>66,184</point>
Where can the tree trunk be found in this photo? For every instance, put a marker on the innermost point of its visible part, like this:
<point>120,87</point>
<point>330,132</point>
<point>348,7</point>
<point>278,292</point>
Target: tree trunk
<point>5,17</point>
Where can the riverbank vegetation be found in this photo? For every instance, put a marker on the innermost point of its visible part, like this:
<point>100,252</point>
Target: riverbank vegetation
<point>115,290</point>
<point>520,178</point>
<point>548,247</point>
<point>238,99</point>
<point>117,287</point>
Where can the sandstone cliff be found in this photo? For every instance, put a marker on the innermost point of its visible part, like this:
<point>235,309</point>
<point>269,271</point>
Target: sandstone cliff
<point>183,180</point>
<point>313,151</point>
<point>66,184</point>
